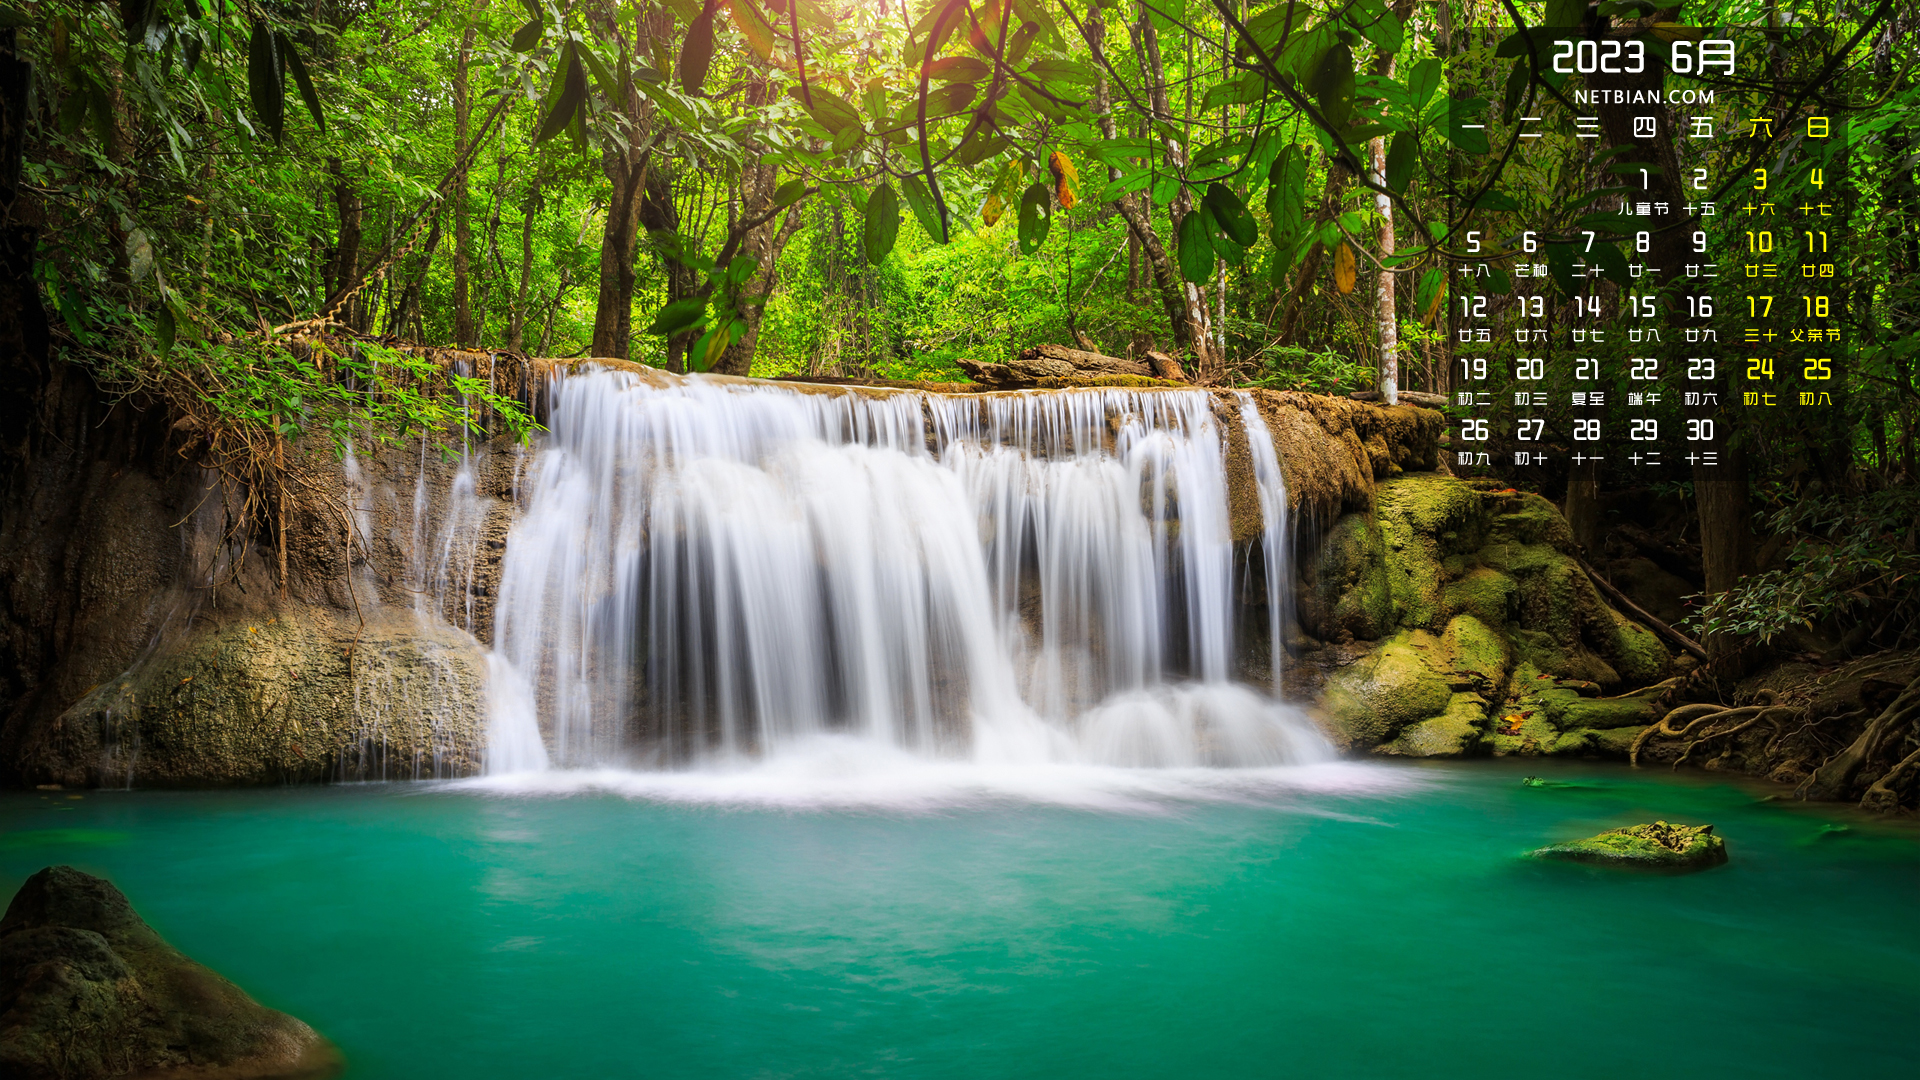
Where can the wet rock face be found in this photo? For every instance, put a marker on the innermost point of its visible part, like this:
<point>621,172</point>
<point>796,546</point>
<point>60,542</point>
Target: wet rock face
<point>1658,846</point>
<point>87,989</point>
<point>1460,621</point>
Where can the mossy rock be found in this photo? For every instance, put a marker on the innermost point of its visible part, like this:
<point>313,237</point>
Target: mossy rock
<point>1344,587</point>
<point>1476,649</point>
<point>1484,593</point>
<point>1371,701</point>
<point>90,990</point>
<point>1423,521</point>
<point>1526,518</point>
<point>1658,846</point>
<point>1636,652</point>
<point>1453,733</point>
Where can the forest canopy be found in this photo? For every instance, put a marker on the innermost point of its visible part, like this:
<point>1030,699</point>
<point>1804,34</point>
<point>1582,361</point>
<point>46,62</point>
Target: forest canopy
<point>1276,193</point>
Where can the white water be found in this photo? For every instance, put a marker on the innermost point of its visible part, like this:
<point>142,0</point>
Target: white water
<point>719,573</point>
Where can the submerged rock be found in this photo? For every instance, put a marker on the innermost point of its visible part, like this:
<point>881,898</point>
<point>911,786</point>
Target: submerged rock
<point>87,989</point>
<point>1658,846</point>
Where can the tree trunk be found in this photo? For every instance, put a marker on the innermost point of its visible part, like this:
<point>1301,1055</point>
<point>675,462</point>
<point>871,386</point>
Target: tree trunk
<point>627,170</point>
<point>1187,334</point>
<point>764,243</point>
<point>463,328</point>
<point>1193,306</point>
<point>343,272</point>
<point>1720,490</point>
<point>517,322</point>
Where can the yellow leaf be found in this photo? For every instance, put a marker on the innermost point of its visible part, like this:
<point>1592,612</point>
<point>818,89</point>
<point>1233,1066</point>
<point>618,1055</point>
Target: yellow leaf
<point>994,208</point>
<point>1344,271</point>
<point>1065,177</point>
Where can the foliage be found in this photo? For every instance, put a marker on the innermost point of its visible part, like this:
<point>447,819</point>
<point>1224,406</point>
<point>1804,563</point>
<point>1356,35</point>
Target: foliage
<point>1853,558</point>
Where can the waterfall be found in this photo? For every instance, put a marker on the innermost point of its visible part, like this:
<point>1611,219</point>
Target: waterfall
<point>706,570</point>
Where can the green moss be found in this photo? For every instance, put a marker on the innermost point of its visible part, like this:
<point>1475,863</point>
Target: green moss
<point>1526,518</point>
<point>1346,582</point>
<point>1658,846</point>
<point>1424,520</point>
<point>1635,652</point>
<point>1484,593</point>
<point>1369,702</point>
<point>1451,734</point>
<point>1473,647</point>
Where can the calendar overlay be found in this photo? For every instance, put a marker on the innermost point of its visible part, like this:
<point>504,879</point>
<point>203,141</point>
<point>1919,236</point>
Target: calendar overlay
<point>1684,299</point>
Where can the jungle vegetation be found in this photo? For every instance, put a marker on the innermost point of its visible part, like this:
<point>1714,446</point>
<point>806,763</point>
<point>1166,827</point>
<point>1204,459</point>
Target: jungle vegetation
<point>1278,192</point>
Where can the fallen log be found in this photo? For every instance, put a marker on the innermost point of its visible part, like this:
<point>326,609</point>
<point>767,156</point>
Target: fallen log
<point>1030,366</point>
<point>1165,367</point>
<point>1407,397</point>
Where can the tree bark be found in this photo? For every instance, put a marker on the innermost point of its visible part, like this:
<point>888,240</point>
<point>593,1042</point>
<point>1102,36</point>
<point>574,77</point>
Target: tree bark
<point>629,171</point>
<point>1720,491</point>
<point>463,328</point>
<point>1193,304</point>
<point>1188,336</point>
<point>517,321</point>
<point>764,243</point>
<point>343,272</point>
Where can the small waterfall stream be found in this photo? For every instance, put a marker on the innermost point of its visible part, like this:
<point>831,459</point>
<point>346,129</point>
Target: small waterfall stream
<point>708,571</point>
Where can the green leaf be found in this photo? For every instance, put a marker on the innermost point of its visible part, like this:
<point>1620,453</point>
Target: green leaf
<point>572,82</point>
<point>266,85</point>
<point>980,146</point>
<point>950,98</point>
<point>1036,216</point>
<point>1196,247</point>
<point>300,80</point>
<point>1498,201</point>
<point>164,329</point>
<point>713,344</point>
<point>139,255</point>
<point>883,222</point>
<point>1460,115</point>
<point>1231,215</point>
<point>678,316</point>
<point>847,138</point>
<point>789,193</point>
<point>958,69</point>
<point>1402,155</point>
<point>525,38</point>
<point>696,56</point>
<point>1057,70</point>
<point>1332,85</point>
<point>609,86</point>
<point>1422,82</point>
<point>1287,195</point>
<point>831,110</point>
<point>1566,12</point>
<point>924,208</point>
<point>1385,30</point>
<point>1517,80</point>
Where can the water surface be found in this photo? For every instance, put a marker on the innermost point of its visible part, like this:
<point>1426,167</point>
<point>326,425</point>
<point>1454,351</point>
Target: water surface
<point>1338,921</point>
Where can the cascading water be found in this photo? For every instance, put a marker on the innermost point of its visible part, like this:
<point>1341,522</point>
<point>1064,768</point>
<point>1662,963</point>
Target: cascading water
<point>707,570</point>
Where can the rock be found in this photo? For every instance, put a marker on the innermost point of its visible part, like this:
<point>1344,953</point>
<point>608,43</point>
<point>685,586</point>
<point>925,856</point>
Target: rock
<point>87,989</point>
<point>302,696</point>
<point>1451,734</point>
<point>1658,846</point>
<point>1370,701</point>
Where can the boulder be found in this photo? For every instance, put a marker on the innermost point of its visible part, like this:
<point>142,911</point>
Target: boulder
<point>1658,846</point>
<point>88,989</point>
<point>1526,644</point>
